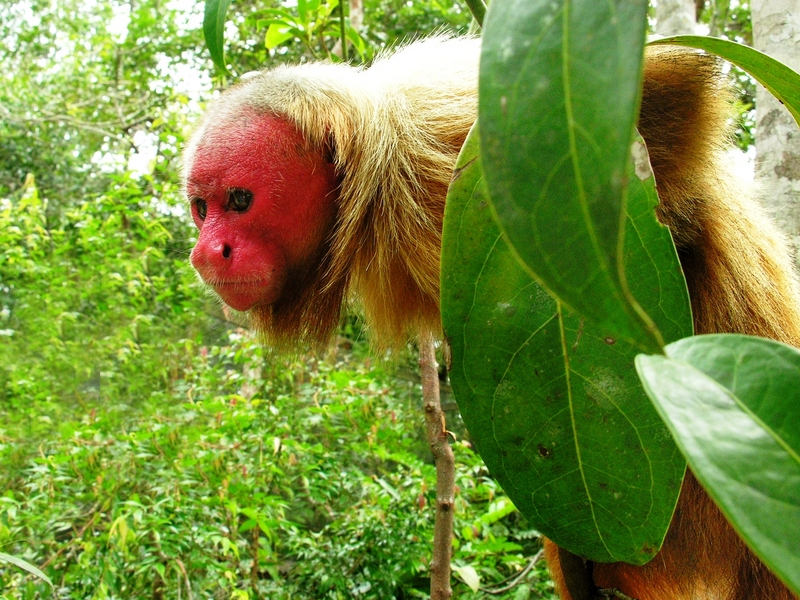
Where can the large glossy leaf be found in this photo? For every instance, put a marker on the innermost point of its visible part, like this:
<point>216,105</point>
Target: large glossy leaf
<point>780,80</point>
<point>560,84</point>
<point>551,400</point>
<point>214,31</point>
<point>733,405</point>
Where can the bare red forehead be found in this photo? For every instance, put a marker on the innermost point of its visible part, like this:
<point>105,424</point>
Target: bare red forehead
<point>233,152</point>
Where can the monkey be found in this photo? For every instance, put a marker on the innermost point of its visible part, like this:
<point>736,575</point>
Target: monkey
<point>381,143</point>
<point>317,183</point>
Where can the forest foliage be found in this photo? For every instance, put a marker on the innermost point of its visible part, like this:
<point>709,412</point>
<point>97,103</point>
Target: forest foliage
<point>150,447</point>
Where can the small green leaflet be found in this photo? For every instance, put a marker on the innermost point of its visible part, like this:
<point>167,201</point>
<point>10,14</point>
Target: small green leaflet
<point>214,31</point>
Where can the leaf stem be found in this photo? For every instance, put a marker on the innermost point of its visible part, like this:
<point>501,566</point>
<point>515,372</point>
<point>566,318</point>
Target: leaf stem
<point>342,31</point>
<point>478,10</point>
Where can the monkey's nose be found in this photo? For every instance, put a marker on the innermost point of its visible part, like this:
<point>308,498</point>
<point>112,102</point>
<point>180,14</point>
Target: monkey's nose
<point>212,255</point>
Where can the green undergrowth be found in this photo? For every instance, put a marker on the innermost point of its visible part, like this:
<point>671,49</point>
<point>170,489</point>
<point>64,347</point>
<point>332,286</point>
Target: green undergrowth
<point>149,448</point>
<point>319,485</point>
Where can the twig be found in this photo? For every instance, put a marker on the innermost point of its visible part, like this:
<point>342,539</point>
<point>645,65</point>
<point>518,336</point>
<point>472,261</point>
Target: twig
<point>182,567</point>
<point>445,471</point>
<point>516,579</point>
<point>613,593</point>
<point>52,557</point>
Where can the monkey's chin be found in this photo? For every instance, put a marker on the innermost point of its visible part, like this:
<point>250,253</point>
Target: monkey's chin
<point>243,296</point>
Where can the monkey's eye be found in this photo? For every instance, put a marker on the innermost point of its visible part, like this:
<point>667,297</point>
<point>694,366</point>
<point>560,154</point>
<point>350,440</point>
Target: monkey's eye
<point>201,207</point>
<point>239,199</point>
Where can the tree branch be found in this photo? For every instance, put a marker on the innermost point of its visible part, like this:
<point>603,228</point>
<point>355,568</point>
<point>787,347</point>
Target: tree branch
<point>445,471</point>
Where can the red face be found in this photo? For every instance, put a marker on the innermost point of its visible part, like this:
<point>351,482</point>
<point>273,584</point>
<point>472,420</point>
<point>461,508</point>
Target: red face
<point>264,203</point>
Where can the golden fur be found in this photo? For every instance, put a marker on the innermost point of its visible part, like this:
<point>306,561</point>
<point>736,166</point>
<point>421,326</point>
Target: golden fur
<point>395,130</point>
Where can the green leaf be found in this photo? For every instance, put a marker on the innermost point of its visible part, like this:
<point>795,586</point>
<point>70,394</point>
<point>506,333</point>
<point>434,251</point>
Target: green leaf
<point>468,575</point>
<point>25,566</point>
<point>262,23</point>
<point>278,13</point>
<point>327,8</point>
<point>560,84</point>
<point>497,511</point>
<point>302,10</point>
<point>780,80</point>
<point>731,401</point>
<point>551,400</point>
<point>277,34</point>
<point>358,42</point>
<point>214,31</point>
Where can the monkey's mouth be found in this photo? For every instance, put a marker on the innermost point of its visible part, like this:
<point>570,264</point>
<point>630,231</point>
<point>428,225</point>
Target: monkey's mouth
<point>244,295</point>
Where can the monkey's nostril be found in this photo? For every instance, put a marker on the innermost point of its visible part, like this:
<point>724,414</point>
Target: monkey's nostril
<point>226,251</point>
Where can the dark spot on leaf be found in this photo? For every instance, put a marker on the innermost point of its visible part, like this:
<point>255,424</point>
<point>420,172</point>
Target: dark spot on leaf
<point>544,452</point>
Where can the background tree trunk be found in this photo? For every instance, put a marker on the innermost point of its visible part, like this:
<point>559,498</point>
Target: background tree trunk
<point>356,18</point>
<point>776,31</point>
<point>356,14</point>
<point>674,17</point>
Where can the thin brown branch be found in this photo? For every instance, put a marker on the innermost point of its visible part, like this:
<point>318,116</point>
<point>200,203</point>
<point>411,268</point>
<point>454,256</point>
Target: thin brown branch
<point>613,593</point>
<point>182,568</point>
<point>445,472</point>
<point>516,579</point>
<point>58,118</point>
<point>76,539</point>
